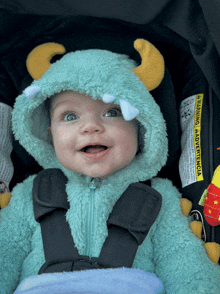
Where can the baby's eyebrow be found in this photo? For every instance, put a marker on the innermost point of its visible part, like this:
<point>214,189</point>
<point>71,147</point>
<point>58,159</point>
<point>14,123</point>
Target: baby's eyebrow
<point>58,104</point>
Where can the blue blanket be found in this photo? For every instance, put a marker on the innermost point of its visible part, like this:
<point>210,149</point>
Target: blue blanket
<point>107,281</point>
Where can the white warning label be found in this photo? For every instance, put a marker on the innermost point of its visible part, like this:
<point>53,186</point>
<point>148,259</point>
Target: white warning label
<point>190,164</point>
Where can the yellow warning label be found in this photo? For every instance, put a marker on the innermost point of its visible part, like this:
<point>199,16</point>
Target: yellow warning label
<point>197,136</point>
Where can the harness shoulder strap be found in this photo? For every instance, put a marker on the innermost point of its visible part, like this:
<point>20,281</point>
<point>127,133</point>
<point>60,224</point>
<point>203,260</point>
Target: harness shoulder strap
<point>50,207</point>
<point>128,224</point>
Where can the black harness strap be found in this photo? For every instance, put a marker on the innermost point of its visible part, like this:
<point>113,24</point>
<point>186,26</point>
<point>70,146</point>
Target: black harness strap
<point>128,225</point>
<point>50,207</point>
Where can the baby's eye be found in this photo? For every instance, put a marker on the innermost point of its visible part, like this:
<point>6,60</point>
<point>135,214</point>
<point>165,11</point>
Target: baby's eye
<point>70,116</point>
<point>113,112</point>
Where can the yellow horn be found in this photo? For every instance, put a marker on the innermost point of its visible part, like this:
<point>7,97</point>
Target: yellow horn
<point>38,60</point>
<point>151,70</point>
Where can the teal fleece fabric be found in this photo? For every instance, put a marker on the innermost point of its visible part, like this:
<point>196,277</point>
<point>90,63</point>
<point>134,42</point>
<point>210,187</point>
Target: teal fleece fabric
<point>170,250</point>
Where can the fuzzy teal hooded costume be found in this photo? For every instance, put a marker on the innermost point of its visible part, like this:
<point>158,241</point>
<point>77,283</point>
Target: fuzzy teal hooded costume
<point>170,250</point>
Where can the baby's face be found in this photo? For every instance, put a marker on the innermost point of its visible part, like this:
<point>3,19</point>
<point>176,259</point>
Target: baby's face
<point>91,137</point>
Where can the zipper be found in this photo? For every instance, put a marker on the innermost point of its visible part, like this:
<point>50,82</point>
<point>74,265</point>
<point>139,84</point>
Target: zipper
<point>90,218</point>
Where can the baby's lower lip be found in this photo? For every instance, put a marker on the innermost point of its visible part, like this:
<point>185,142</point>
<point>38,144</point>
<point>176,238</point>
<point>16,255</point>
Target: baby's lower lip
<point>97,155</point>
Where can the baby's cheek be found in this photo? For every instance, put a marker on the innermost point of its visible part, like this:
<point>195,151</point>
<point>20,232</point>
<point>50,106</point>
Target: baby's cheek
<point>131,136</point>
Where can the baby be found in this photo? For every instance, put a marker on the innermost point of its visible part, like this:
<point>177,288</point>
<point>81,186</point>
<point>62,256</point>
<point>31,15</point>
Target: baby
<point>87,209</point>
<point>91,137</point>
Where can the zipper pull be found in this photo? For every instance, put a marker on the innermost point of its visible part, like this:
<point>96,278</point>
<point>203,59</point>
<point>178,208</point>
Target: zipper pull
<point>93,184</point>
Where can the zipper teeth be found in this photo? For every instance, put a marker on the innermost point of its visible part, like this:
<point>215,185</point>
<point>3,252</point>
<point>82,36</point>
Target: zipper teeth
<point>90,221</point>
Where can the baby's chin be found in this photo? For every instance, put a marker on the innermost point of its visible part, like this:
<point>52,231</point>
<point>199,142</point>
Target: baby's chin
<point>98,173</point>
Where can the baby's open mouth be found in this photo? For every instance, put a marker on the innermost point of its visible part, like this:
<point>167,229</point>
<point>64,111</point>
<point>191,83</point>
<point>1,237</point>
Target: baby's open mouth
<point>93,148</point>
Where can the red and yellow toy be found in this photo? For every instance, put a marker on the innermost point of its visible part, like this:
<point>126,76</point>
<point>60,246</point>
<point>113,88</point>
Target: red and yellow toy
<point>211,200</point>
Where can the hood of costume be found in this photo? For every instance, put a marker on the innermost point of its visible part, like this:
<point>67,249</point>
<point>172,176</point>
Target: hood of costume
<point>97,73</point>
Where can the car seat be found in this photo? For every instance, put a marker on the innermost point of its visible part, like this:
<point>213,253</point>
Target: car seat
<point>187,37</point>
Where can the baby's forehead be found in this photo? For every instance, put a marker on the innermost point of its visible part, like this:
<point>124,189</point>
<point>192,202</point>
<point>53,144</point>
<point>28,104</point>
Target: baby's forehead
<point>76,98</point>
<point>62,97</point>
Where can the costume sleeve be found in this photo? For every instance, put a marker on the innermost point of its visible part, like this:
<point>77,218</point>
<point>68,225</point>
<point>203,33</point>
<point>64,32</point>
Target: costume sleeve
<point>15,236</point>
<point>181,260</point>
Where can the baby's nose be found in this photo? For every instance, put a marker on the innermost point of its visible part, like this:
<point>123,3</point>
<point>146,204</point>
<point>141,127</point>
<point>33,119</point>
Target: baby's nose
<point>92,125</point>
